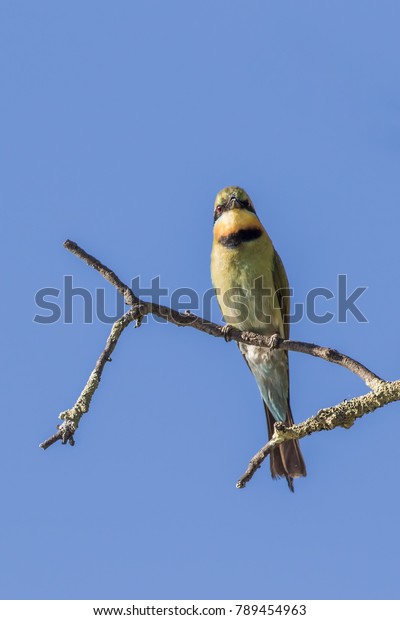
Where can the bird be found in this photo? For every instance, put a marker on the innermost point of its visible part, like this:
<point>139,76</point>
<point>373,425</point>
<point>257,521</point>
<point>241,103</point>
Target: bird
<point>252,290</point>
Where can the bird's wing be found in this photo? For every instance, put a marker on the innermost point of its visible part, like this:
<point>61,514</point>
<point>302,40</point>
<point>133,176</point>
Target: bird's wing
<point>282,292</point>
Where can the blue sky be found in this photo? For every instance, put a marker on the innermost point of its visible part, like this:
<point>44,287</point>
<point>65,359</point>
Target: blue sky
<point>120,122</point>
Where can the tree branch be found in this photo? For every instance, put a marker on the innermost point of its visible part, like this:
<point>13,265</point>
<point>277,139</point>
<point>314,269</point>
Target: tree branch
<point>72,416</point>
<point>344,414</point>
<point>230,332</point>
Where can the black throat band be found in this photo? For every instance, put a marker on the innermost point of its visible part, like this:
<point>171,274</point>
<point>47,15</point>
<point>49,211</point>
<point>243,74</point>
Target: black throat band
<point>243,235</point>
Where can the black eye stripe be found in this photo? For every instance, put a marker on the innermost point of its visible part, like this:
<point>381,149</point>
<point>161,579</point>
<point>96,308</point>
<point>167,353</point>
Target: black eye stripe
<point>246,204</point>
<point>218,211</point>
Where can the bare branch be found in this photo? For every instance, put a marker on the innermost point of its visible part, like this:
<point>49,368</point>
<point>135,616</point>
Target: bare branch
<point>344,414</point>
<point>191,320</point>
<point>107,273</point>
<point>72,416</point>
<point>65,432</point>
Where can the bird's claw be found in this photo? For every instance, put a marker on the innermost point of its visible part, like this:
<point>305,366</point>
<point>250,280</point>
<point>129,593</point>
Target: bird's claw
<point>274,341</point>
<point>226,332</point>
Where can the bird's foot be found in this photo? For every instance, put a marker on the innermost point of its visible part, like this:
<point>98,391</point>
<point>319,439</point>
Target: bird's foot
<point>273,342</point>
<point>226,332</point>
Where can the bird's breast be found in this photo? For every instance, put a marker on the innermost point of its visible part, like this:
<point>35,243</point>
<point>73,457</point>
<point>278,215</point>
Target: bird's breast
<point>241,262</point>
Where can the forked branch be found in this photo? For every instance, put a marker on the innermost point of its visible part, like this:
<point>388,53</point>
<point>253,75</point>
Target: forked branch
<point>343,414</point>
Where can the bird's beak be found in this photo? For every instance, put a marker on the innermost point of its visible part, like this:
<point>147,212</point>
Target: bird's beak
<point>234,202</point>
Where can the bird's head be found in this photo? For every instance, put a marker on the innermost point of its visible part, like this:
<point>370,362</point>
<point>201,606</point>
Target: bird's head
<point>232,197</point>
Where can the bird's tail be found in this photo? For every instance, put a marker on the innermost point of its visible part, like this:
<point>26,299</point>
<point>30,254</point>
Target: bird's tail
<point>286,459</point>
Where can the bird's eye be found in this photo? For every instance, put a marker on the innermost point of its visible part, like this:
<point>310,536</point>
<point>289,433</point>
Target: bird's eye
<point>219,209</point>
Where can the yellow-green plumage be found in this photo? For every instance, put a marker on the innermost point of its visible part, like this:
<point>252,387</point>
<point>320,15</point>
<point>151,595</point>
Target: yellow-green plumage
<point>241,266</point>
<point>242,256</point>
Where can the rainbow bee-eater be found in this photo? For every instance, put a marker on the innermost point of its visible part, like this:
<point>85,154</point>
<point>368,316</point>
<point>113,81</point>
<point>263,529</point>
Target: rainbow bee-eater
<point>252,291</point>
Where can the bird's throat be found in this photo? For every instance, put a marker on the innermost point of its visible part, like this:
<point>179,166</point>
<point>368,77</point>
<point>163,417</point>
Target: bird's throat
<point>237,226</point>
